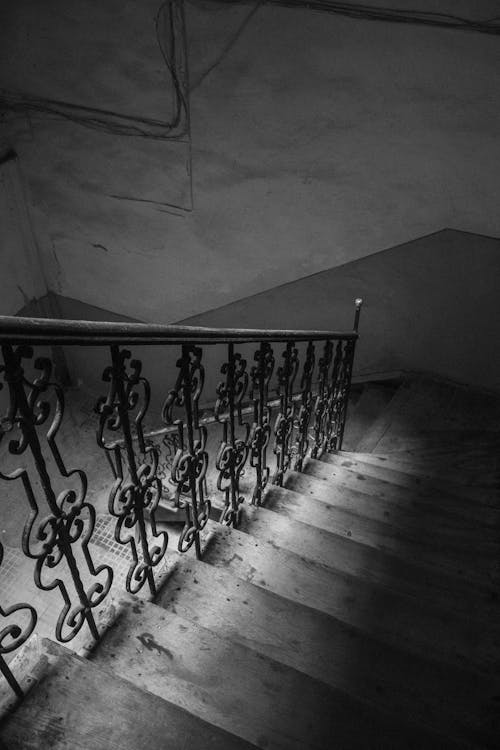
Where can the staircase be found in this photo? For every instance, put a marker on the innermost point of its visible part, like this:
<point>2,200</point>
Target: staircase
<point>357,608</point>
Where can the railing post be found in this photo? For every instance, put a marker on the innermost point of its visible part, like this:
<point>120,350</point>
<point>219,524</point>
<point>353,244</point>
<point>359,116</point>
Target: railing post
<point>12,636</point>
<point>190,464</point>
<point>321,403</point>
<point>233,451</point>
<point>49,539</point>
<point>306,405</point>
<point>261,374</point>
<point>349,361</point>
<point>141,489</point>
<point>283,427</point>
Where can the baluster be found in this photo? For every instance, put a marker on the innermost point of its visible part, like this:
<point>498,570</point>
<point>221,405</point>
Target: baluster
<point>12,635</point>
<point>333,400</point>
<point>233,451</point>
<point>321,403</point>
<point>342,394</point>
<point>261,374</point>
<point>348,360</point>
<point>49,539</point>
<point>283,427</point>
<point>305,411</point>
<point>190,464</point>
<point>139,489</point>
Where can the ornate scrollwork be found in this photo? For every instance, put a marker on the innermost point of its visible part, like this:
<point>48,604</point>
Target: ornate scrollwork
<point>284,424</point>
<point>49,539</point>
<point>190,464</point>
<point>339,394</point>
<point>306,406</point>
<point>260,435</point>
<point>321,402</point>
<point>136,491</point>
<point>233,451</point>
<point>13,635</point>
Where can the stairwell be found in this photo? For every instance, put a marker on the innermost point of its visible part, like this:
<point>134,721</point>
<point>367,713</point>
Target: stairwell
<point>358,607</point>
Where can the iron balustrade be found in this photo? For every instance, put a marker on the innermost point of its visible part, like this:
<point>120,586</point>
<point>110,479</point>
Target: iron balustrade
<point>61,519</point>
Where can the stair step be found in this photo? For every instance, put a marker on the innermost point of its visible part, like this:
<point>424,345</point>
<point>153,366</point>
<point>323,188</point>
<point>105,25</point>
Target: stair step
<point>447,540</point>
<point>77,704</point>
<point>373,400</point>
<point>223,682</point>
<point>275,706</point>
<point>410,473</point>
<point>448,509</point>
<point>339,552</point>
<point>406,544</point>
<point>262,700</point>
<point>391,617</point>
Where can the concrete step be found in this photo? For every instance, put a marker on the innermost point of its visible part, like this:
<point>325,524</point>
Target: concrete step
<point>408,495</point>
<point>410,532</point>
<point>449,477</point>
<point>342,553</point>
<point>237,688</point>
<point>390,617</point>
<point>74,703</point>
<point>275,706</point>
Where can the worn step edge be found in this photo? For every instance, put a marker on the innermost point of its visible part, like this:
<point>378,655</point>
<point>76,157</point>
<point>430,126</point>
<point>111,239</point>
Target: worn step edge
<point>75,703</point>
<point>416,549</point>
<point>391,617</point>
<point>339,552</point>
<point>276,706</point>
<point>459,549</point>
<point>408,475</point>
<point>305,639</point>
<point>444,505</point>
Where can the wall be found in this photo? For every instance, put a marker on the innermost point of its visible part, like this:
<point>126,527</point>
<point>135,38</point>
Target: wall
<point>429,305</point>
<point>22,281</point>
<point>316,140</point>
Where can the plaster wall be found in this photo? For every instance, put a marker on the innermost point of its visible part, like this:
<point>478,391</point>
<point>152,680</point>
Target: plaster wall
<point>22,280</point>
<point>316,140</point>
<point>429,305</point>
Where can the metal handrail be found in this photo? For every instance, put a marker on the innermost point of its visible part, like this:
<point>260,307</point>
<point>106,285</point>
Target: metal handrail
<point>50,331</point>
<point>308,422</point>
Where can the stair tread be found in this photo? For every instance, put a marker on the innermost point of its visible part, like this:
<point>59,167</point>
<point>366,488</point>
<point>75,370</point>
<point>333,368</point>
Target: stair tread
<point>447,542</point>
<point>447,507</point>
<point>406,543</point>
<point>77,704</point>
<point>274,705</point>
<point>338,551</point>
<point>400,618</point>
<point>277,706</point>
<point>411,474</point>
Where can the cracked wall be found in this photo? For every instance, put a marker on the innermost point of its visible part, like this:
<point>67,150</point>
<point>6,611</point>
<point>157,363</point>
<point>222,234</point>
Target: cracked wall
<point>316,140</point>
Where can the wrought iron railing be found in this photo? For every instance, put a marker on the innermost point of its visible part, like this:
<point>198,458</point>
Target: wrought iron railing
<point>293,398</point>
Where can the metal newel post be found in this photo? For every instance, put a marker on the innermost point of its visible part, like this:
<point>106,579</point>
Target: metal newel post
<point>358,302</point>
